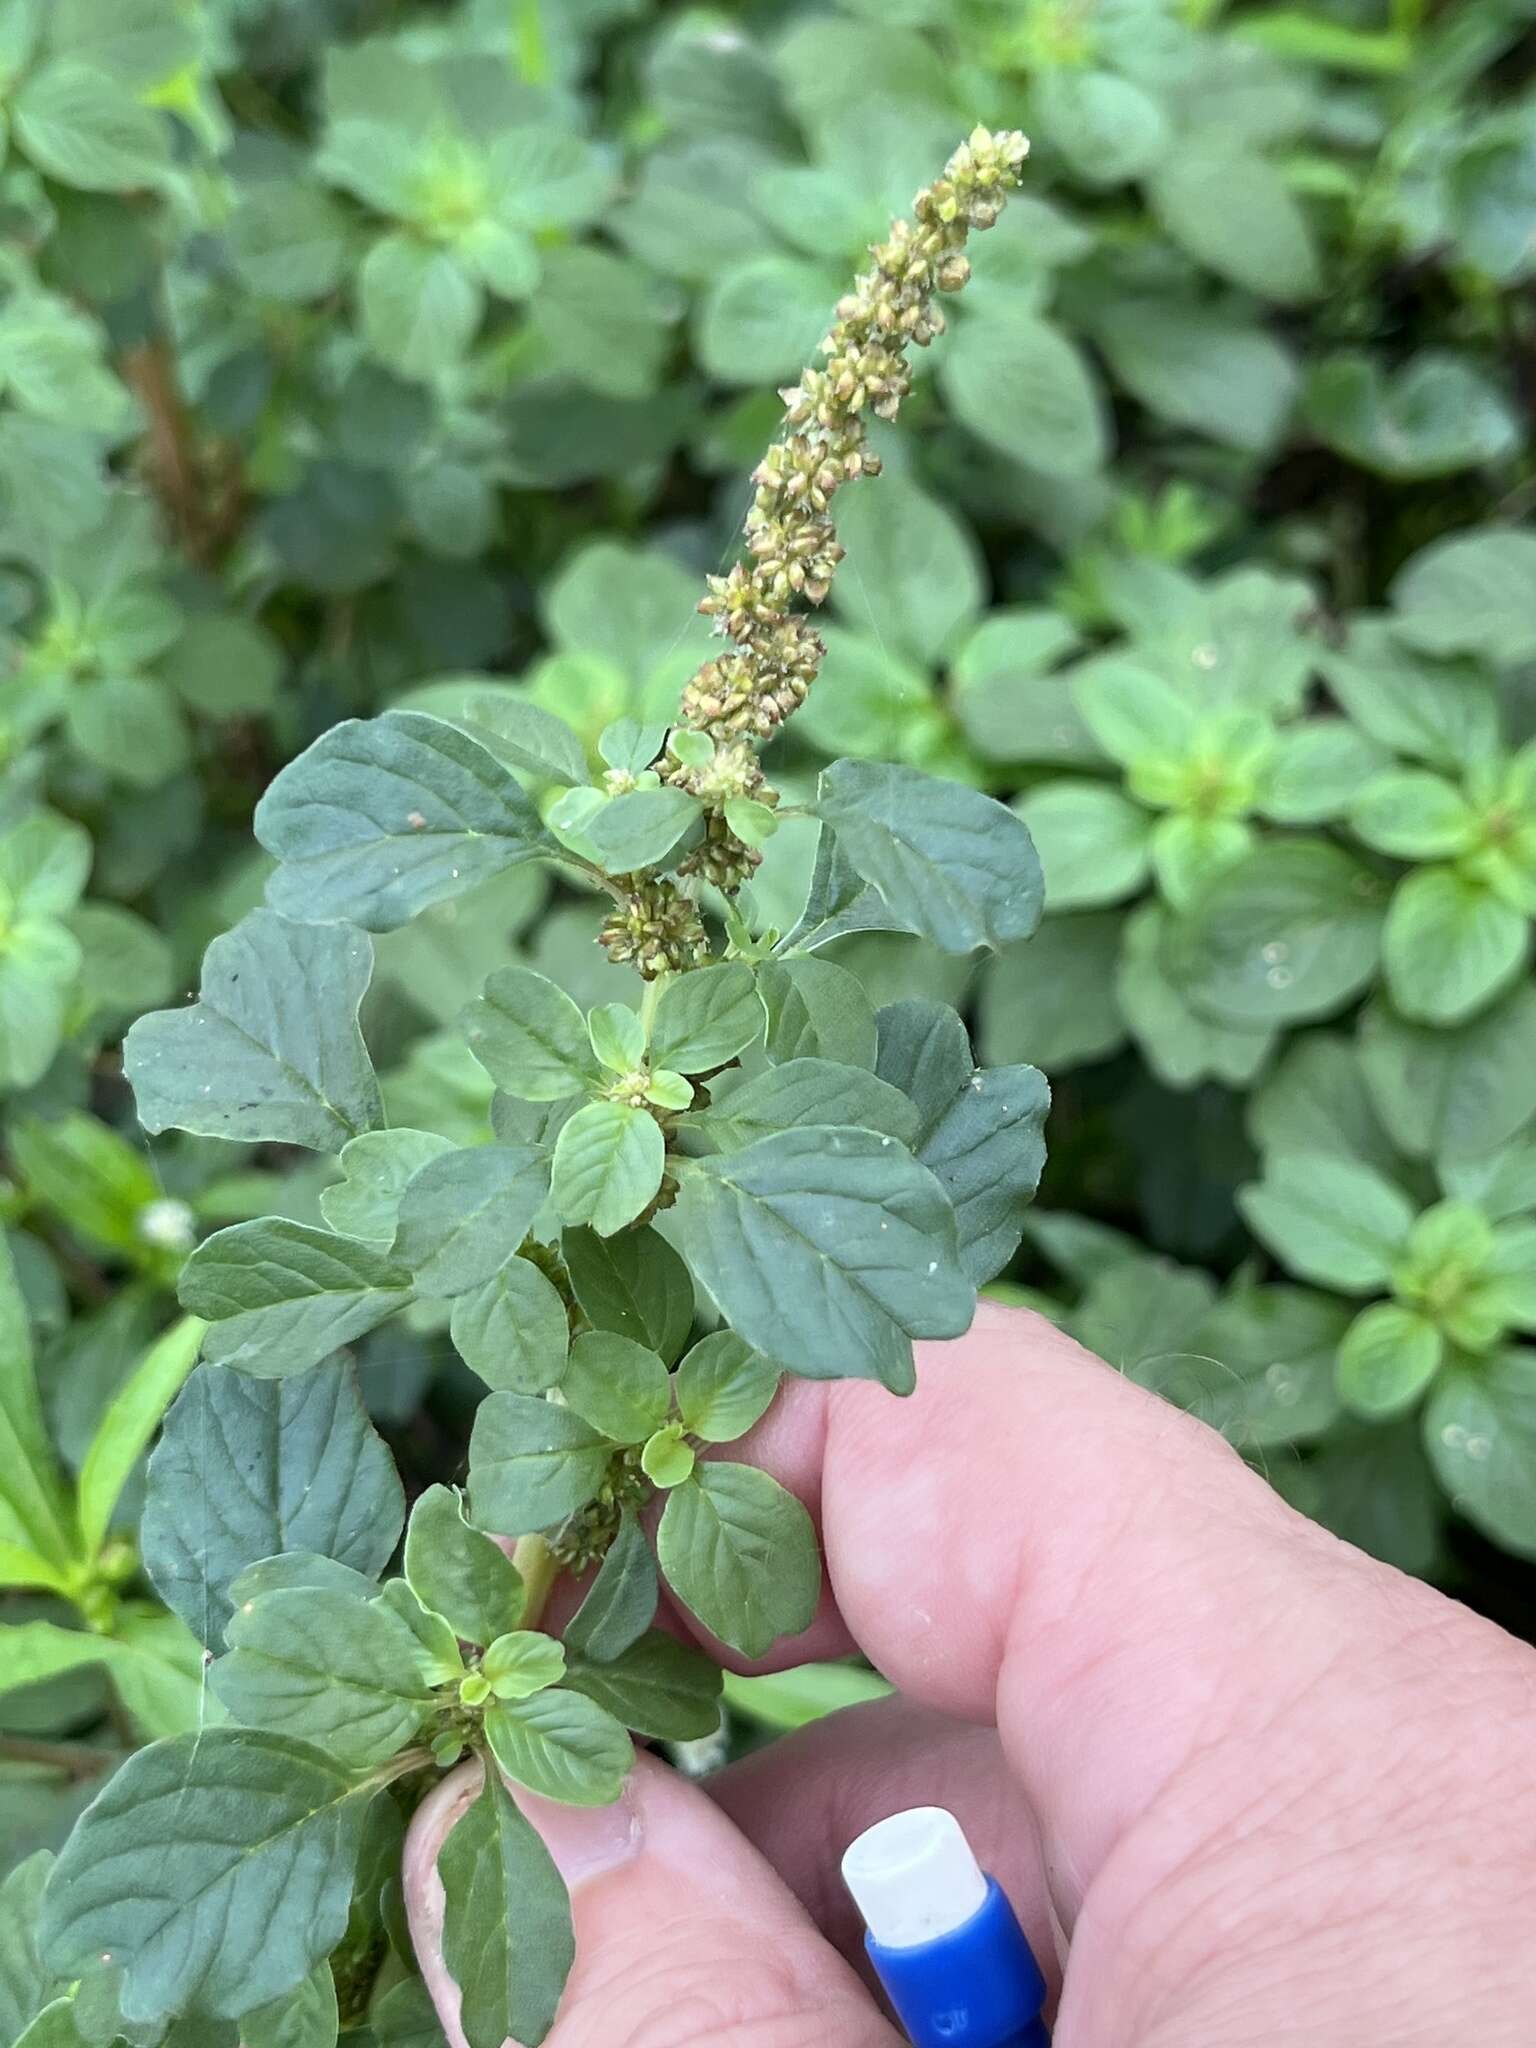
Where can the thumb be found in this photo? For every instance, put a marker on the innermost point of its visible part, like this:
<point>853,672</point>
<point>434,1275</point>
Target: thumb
<point>683,1933</point>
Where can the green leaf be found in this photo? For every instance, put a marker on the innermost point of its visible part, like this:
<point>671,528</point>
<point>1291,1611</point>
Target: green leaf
<point>634,1284</point>
<point>1433,415</point>
<point>378,1167</point>
<point>530,1037</point>
<point>628,607</point>
<point>26,1986</point>
<point>1106,127</point>
<point>534,743</point>
<point>507,1937</point>
<point>1316,1100</point>
<point>35,1516</point>
<point>1052,1000</point>
<point>616,1385</point>
<point>1387,1358</point>
<point>1093,843</point>
<point>724,1387</point>
<point>463,1215</point>
<point>1009,705</point>
<point>1198,367</point>
<point>1291,931</point>
<point>1189,851</point>
<point>95,1181</point>
<point>438,1658</point>
<point>215,1869</point>
<point>657,1686</point>
<point>382,817</point>
<point>129,727</point>
<point>1450,946</point>
<point>1023,387</point>
<point>36,1651</point>
<point>459,1573</point>
<point>666,1458</point>
<point>51,361</point>
<point>982,1131</point>
<point>272,1050</point>
<point>869,701</point>
<point>289,240</point>
<point>54,2027</point>
<point>839,902</point>
<point>641,828</point>
<point>793,1699</point>
<point>85,128</point>
<point>953,865</point>
<point>620,1604</point>
<point>282,1296</point>
<point>816,1010</point>
<point>607,1166</point>
<point>1499,1184</point>
<point>404,2017</point>
<point>761,320</point>
<point>39,964</point>
<point>1329,1220</point>
<point>305,2018</point>
<point>1414,815</point>
<point>740,1553</point>
<point>828,1249</point>
<point>1372,1485</point>
<point>561,1745</point>
<point>324,1666</point>
<point>605,319</point>
<point>310,1471</point>
<point>913,576</point>
<point>617,1036</point>
<point>531,1463</point>
<point>1181,1044</point>
<point>1480,1433</point>
<point>127,967</point>
<point>802,1091</point>
<point>521,1663</point>
<point>706,1018</point>
<point>1135,714</point>
<point>1453,1093</point>
<point>1315,770</point>
<point>420,307</point>
<point>1445,715</point>
<point>1231,210</point>
<point>131,1419</point>
<point>1260,1367</point>
<point>513,1330</point>
<point>1470,593</point>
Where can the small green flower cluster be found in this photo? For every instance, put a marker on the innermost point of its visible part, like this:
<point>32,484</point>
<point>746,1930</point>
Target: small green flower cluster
<point>740,699</point>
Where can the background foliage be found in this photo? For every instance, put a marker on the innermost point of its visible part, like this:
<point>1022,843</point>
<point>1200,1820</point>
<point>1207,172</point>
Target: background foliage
<point>349,351</point>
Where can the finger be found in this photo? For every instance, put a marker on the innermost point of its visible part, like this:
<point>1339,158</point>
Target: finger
<point>803,1799</point>
<point>1032,1541</point>
<point>684,1934</point>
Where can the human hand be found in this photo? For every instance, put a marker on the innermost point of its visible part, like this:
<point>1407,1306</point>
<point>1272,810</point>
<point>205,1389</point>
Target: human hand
<point>1270,1790</point>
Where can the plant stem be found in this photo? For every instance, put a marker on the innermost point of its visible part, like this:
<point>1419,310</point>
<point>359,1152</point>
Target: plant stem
<point>76,1759</point>
<point>534,1559</point>
<point>532,44</point>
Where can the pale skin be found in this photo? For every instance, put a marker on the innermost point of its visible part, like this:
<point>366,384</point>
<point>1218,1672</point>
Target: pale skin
<point>1268,1790</point>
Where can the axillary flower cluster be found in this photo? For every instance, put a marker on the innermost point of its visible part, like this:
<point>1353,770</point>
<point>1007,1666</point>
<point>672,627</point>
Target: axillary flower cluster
<point>738,700</point>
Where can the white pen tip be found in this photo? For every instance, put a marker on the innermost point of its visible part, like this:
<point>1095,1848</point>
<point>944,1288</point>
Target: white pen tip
<point>913,1877</point>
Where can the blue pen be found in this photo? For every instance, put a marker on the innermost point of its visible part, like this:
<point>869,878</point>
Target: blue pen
<point>942,1936</point>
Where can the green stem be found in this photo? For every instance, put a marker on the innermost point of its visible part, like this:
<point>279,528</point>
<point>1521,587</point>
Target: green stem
<point>536,1562</point>
<point>532,45</point>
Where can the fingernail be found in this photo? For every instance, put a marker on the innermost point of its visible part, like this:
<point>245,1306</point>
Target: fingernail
<point>587,1841</point>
